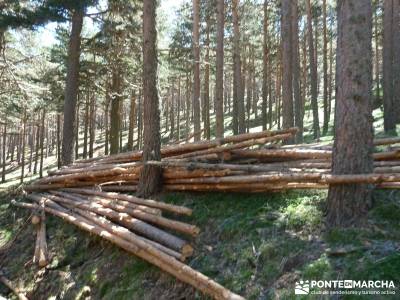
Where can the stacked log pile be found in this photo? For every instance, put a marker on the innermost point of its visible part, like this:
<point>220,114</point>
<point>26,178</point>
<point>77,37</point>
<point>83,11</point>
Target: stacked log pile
<point>251,162</point>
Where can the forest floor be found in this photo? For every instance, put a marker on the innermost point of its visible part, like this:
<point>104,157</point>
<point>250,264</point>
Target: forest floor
<point>257,245</point>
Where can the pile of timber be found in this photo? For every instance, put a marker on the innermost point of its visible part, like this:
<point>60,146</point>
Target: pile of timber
<point>134,224</point>
<point>250,162</point>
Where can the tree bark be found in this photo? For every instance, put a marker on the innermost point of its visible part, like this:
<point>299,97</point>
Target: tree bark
<point>390,78</point>
<point>196,69</point>
<point>106,126</point>
<point>265,68</point>
<point>86,126</point>
<point>287,75</point>
<point>76,133</point>
<point>219,76</point>
<point>132,114</point>
<point>377,57</point>
<point>313,71</point>
<point>71,88</point>
<point>237,66</point>
<point>115,113</point>
<point>150,176</point>
<point>325,70</point>
<point>23,147</point>
<point>206,93</point>
<point>347,204</point>
<point>42,143</point>
<point>92,125</point>
<point>58,140</point>
<point>298,103</point>
<point>3,173</point>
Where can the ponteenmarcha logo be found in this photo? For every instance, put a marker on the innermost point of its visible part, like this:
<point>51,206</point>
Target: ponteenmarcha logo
<point>359,287</point>
<point>302,287</point>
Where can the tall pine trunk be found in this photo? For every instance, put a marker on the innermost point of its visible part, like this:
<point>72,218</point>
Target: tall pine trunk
<point>196,69</point>
<point>42,129</point>
<point>325,70</point>
<point>115,113</point>
<point>206,92</point>
<point>23,146</point>
<point>71,87</point>
<point>313,71</point>
<point>219,76</point>
<point>298,103</point>
<point>92,127</point>
<point>238,94</point>
<point>265,117</point>
<point>3,173</point>
<point>352,152</point>
<point>132,113</point>
<point>150,176</point>
<point>391,68</point>
<point>287,63</point>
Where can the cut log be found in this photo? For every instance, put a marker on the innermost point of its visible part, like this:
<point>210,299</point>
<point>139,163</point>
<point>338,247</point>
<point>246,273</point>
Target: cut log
<point>125,233</point>
<point>139,201</point>
<point>243,144</point>
<point>41,254</point>
<point>11,286</point>
<point>88,175</point>
<point>284,153</point>
<point>254,187</point>
<point>73,170</point>
<point>124,219</point>
<point>154,219</point>
<point>116,204</point>
<point>152,255</point>
<point>386,141</point>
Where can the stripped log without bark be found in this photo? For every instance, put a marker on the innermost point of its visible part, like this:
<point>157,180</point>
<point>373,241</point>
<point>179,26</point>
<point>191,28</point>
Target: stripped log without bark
<point>11,286</point>
<point>138,226</point>
<point>141,249</point>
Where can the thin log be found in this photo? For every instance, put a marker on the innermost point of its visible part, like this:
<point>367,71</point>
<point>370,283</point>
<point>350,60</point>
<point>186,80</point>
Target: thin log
<point>136,213</point>
<point>73,169</point>
<point>284,153</point>
<point>150,254</point>
<point>124,219</point>
<point>125,233</point>
<point>244,144</point>
<point>386,141</point>
<point>116,204</point>
<point>139,201</point>
<point>120,188</point>
<point>86,175</point>
<point>11,286</point>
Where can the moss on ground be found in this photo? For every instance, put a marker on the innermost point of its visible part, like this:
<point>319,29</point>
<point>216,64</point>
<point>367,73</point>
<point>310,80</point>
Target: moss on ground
<point>257,245</point>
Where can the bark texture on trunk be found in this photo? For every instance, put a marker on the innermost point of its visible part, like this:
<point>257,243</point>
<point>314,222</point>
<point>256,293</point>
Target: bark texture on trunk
<point>115,112</point>
<point>132,114</point>
<point>391,68</point>
<point>287,75</point>
<point>238,94</point>
<point>265,69</point>
<point>150,176</point>
<point>71,87</point>
<point>298,103</point>
<point>196,69</point>
<point>313,71</point>
<point>219,76</point>
<point>325,70</point>
<point>347,204</point>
